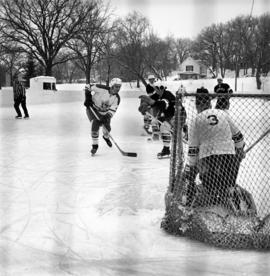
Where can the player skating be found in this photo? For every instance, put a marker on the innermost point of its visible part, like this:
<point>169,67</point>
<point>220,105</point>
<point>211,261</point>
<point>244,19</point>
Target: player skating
<point>104,101</point>
<point>163,105</point>
<point>150,90</point>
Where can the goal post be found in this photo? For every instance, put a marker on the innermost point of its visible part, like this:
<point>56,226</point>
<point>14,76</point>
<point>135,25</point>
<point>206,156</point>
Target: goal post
<point>241,218</point>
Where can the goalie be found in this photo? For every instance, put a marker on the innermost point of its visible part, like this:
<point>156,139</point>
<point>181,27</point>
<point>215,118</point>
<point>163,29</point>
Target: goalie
<point>216,148</point>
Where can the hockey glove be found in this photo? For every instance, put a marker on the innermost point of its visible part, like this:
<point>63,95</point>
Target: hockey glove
<point>240,153</point>
<point>146,99</point>
<point>190,173</point>
<point>143,108</point>
<point>88,96</point>
<point>185,132</point>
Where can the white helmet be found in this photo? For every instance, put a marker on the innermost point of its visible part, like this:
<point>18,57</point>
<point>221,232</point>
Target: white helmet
<point>151,77</point>
<point>115,81</point>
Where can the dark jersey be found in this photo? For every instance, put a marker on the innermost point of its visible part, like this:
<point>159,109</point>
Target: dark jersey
<point>222,101</point>
<point>165,105</point>
<point>149,89</point>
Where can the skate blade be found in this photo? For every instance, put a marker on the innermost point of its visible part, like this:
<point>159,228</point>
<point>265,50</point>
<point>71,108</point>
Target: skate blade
<point>164,157</point>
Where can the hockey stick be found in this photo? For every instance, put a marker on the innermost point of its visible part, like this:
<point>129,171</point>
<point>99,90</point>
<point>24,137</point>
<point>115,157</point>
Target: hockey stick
<point>130,154</point>
<point>257,141</point>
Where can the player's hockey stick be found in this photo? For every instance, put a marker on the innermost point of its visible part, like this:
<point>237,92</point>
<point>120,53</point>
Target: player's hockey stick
<point>257,141</point>
<point>130,154</point>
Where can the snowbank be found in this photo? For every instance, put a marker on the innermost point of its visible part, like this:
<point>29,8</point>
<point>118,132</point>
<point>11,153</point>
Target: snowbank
<point>75,91</point>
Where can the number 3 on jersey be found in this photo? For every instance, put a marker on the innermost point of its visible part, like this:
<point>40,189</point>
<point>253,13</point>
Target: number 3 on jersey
<point>213,120</point>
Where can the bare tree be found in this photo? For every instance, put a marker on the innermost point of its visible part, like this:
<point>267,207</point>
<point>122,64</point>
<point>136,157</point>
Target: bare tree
<point>182,47</point>
<point>89,42</point>
<point>131,39</point>
<point>44,26</point>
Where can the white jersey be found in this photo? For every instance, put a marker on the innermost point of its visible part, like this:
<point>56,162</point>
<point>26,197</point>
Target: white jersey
<point>103,100</point>
<point>213,133</point>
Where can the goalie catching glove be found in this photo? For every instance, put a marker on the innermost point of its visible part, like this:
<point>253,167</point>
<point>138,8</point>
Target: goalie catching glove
<point>88,96</point>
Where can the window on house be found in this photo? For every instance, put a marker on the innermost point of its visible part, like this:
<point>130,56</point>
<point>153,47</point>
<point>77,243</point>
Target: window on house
<point>47,86</point>
<point>189,68</point>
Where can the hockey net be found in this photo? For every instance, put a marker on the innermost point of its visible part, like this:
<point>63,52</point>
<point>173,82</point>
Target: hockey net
<point>242,218</point>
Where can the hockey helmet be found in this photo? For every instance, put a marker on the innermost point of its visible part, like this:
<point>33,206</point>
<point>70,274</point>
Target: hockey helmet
<point>115,81</point>
<point>151,77</point>
<point>203,97</point>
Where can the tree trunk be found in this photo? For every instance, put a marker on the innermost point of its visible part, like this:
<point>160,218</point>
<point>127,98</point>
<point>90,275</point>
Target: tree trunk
<point>87,74</point>
<point>258,79</point>
<point>48,69</point>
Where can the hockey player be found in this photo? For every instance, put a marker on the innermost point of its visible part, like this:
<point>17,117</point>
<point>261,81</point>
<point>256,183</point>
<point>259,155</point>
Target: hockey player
<point>104,101</point>
<point>216,148</point>
<point>223,102</point>
<point>150,90</point>
<point>163,103</point>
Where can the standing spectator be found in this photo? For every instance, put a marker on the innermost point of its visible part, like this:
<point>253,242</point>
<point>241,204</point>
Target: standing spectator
<point>19,94</point>
<point>222,101</point>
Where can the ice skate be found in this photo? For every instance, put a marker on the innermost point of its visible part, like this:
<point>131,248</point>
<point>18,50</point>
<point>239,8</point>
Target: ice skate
<point>94,149</point>
<point>155,137</point>
<point>108,141</point>
<point>165,153</point>
<point>147,129</point>
<point>18,117</point>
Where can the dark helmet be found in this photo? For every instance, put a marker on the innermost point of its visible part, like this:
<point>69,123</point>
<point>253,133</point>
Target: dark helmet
<point>203,98</point>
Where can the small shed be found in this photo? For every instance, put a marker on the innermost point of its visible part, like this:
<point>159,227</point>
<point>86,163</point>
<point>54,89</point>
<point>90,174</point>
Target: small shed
<point>45,83</point>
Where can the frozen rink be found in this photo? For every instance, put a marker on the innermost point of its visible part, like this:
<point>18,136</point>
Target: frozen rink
<point>64,212</point>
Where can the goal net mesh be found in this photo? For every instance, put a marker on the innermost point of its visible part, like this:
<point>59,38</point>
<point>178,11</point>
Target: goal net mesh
<point>235,217</point>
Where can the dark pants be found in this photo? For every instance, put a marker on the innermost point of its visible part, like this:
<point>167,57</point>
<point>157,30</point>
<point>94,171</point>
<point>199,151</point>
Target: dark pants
<point>218,173</point>
<point>22,102</point>
<point>96,124</point>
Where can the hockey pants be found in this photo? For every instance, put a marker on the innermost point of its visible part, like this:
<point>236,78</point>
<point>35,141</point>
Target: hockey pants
<point>95,126</point>
<point>165,130</point>
<point>218,174</point>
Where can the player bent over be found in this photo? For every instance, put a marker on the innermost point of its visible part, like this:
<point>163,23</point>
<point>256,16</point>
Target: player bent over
<point>104,101</point>
<point>216,148</point>
<point>150,90</point>
<point>163,103</point>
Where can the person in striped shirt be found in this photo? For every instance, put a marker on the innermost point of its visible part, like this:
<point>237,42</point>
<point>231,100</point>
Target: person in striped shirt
<point>19,98</point>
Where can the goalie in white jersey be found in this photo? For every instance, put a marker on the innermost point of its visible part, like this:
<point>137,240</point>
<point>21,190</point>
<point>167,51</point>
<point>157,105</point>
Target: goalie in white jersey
<point>104,101</point>
<point>216,148</point>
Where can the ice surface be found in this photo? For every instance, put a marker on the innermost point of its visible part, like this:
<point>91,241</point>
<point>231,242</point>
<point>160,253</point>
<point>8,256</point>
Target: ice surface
<point>64,212</point>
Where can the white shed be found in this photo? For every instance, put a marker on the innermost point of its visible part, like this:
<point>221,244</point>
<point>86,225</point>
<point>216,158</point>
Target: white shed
<point>43,83</point>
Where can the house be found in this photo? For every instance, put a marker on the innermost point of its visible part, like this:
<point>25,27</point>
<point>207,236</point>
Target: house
<point>43,83</point>
<point>192,69</point>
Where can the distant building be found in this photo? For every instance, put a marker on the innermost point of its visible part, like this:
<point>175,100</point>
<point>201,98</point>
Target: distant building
<point>192,69</point>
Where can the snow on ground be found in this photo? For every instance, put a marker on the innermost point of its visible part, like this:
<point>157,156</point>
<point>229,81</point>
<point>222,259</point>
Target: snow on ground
<point>64,212</point>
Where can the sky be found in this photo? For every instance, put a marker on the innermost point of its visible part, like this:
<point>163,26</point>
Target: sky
<point>186,18</point>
